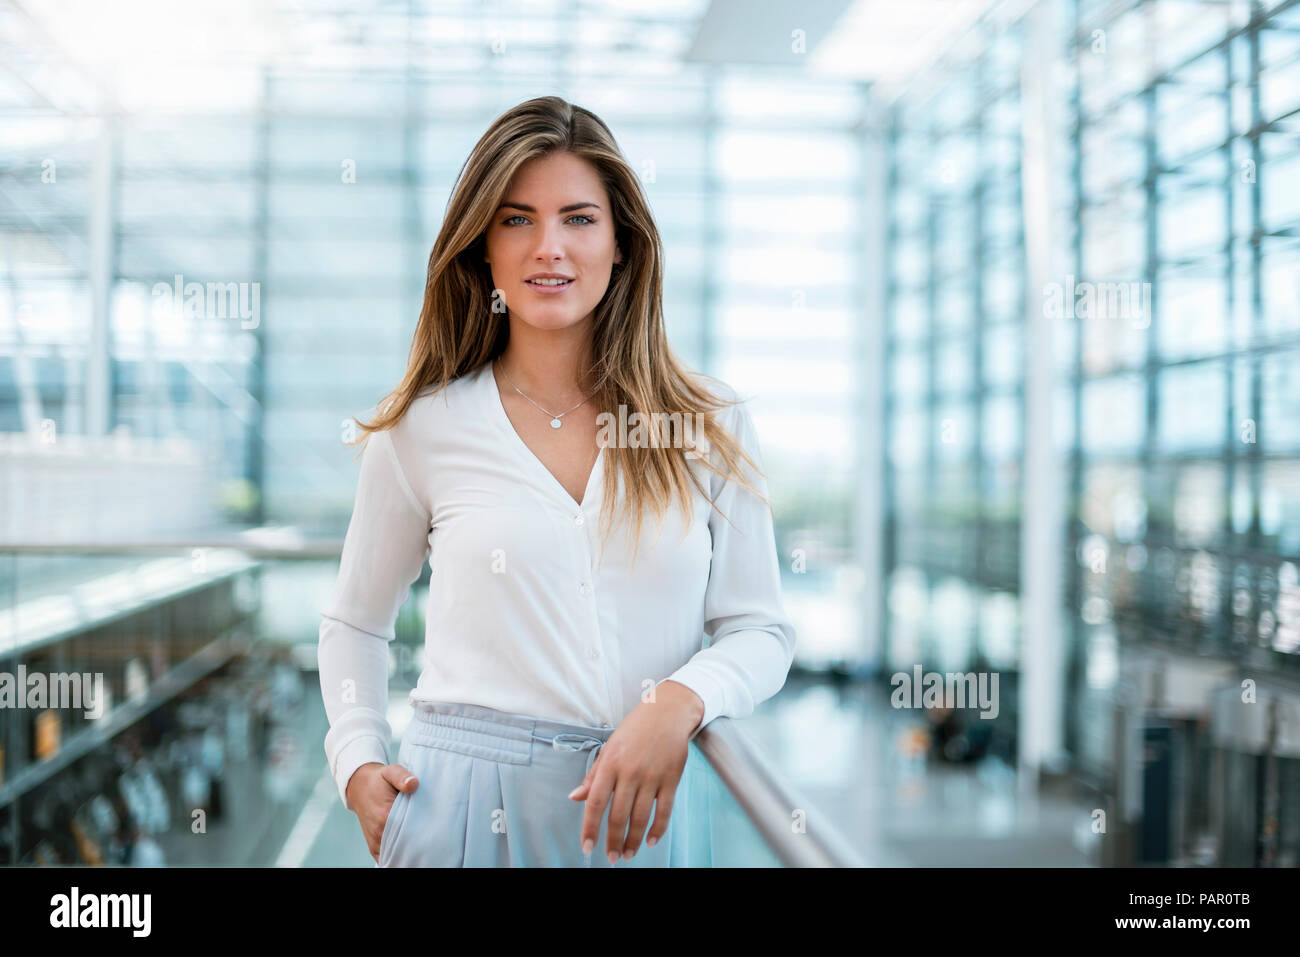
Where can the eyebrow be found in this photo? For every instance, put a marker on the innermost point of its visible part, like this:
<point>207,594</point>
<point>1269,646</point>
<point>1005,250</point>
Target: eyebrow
<point>564,209</point>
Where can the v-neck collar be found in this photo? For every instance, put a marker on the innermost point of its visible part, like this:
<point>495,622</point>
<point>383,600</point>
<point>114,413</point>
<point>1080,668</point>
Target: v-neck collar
<point>497,411</point>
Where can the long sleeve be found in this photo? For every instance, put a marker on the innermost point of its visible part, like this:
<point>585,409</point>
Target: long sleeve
<point>383,553</point>
<point>752,640</point>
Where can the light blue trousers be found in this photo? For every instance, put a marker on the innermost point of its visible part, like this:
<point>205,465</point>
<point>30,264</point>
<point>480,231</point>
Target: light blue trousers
<point>493,792</point>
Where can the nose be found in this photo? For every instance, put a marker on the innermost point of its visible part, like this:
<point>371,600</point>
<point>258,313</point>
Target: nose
<point>549,246</point>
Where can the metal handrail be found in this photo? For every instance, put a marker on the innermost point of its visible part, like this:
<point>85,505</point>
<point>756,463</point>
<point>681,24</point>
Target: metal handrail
<point>306,549</point>
<point>769,803</point>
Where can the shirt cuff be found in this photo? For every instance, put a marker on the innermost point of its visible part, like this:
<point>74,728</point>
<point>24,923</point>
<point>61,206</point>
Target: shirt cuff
<point>355,753</point>
<point>695,677</point>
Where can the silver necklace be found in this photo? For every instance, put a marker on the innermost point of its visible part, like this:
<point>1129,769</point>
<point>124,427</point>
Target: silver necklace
<point>555,419</point>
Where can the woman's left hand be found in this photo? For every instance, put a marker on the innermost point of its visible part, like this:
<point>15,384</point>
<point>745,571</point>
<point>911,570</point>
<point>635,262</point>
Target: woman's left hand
<point>640,766</point>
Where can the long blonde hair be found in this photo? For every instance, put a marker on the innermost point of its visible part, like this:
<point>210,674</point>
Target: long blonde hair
<point>632,363</point>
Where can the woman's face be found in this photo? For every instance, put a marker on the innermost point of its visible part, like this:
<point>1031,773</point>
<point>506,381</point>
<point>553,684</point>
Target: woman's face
<point>555,218</point>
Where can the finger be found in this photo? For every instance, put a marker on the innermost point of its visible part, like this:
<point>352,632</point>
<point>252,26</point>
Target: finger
<point>582,790</point>
<point>597,801</point>
<point>375,837</point>
<point>400,778</point>
<point>663,809</point>
<point>620,808</point>
<point>645,799</point>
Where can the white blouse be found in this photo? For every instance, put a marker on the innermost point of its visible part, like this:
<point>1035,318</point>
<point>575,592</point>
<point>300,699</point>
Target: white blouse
<point>523,614</point>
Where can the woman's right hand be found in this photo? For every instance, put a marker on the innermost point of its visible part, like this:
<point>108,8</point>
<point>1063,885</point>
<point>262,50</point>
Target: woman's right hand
<point>371,791</point>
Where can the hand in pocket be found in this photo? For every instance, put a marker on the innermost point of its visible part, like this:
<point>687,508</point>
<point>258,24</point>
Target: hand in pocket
<point>371,791</point>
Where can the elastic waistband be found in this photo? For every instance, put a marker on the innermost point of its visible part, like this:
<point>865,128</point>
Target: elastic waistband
<point>497,735</point>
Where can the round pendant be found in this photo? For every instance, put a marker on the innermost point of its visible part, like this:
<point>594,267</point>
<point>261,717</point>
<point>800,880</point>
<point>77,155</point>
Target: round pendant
<point>556,423</point>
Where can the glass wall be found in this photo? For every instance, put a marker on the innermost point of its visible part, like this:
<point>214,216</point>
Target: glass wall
<point>1189,457</point>
<point>1172,289</point>
<point>781,272</point>
<point>955,320</point>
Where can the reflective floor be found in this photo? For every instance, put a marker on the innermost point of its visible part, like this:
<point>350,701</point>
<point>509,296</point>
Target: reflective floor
<point>846,750</point>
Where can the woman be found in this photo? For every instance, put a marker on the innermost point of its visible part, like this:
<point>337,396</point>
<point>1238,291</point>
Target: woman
<point>562,682</point>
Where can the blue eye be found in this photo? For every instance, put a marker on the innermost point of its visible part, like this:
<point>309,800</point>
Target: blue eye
<point>506,221</point>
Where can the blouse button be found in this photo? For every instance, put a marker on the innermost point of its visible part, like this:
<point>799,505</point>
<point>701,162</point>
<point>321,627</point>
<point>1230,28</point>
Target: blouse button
<point>578,520</point>
<point>585,588</point>
<point>593,654</point>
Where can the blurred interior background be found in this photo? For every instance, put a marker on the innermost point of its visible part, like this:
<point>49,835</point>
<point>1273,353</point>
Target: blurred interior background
<point>1014,287</point>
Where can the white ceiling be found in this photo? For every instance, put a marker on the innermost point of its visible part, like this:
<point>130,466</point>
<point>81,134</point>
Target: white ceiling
<point>198,54</point>
<point>882,41</point>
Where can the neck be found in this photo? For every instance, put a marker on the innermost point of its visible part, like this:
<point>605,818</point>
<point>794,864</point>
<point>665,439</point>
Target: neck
<point>549,365</point>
